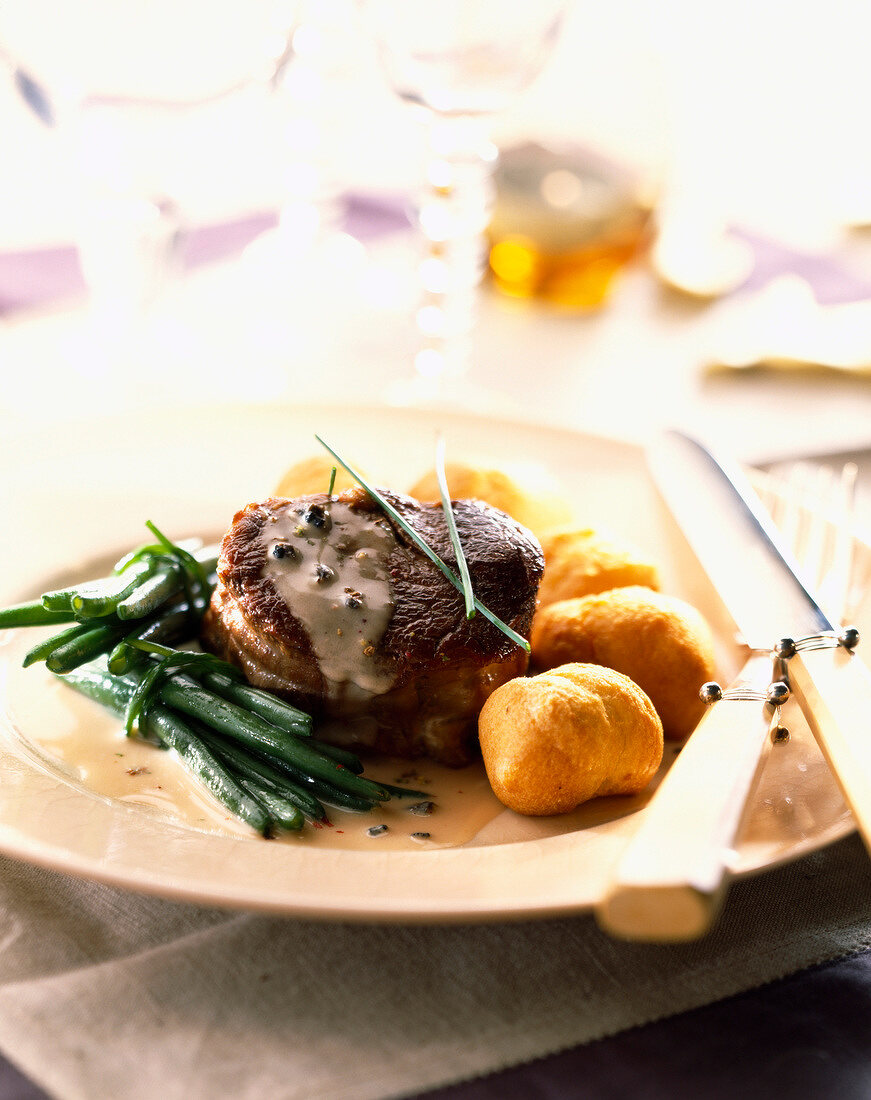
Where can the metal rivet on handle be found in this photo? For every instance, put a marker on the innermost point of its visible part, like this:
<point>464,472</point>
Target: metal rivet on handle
<point>710,692</point>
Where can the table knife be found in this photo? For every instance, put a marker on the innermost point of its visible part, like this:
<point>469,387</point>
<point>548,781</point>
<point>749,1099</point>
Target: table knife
<point>668,882</point>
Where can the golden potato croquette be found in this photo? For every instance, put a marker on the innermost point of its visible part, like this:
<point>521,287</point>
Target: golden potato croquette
<point>582,562</point>
<point>312,475</point>
<point>533,500</point>
<point>660,642</point>
<point>476,483</point>
<point>553,741</point>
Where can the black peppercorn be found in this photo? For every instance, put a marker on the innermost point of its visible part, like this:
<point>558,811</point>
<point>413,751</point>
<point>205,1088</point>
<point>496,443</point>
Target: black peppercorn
<point>352,598</point>
<point>317,516</point>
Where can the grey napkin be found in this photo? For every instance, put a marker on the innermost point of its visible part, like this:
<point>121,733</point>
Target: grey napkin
<point>109,994</point>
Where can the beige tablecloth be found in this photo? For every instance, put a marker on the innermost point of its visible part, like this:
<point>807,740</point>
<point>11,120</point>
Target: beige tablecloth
<point>109,994</point>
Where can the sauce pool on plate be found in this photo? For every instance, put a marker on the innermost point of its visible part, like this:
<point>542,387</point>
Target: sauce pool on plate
<point>84,744</point>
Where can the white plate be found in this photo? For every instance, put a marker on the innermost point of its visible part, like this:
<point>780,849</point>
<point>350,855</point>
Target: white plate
<point>84,492</point>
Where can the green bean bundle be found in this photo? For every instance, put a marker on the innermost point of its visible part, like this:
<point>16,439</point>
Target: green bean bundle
<point>263,773</point>
<point>157,592</point>
<point>254,752</point>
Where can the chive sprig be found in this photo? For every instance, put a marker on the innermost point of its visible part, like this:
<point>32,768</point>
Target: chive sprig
<point>424,547</point>
<point>450,519</point>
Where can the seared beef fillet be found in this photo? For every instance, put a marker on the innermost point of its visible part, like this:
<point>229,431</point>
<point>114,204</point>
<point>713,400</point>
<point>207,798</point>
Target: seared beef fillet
<point>324,602</point>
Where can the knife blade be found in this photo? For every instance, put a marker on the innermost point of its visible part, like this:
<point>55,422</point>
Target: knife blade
<point>735,541</point>
<point>669,881</point>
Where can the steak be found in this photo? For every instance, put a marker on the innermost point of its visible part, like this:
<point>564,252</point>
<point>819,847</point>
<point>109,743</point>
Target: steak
<point>325,602</point>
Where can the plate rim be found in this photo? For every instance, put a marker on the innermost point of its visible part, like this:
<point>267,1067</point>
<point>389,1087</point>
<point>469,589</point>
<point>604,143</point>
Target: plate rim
<point>55,857</point>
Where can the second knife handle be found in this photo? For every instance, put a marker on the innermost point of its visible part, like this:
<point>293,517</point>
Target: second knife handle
<point>833,687</point>
<point>668,882</point>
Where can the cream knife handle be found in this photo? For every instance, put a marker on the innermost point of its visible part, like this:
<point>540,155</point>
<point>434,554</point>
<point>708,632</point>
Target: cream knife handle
<point>833,687</point>
<point>668,883</point>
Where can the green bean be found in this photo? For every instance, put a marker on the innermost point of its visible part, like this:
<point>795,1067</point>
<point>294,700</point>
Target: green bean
<point>59,599</point>
<point>96,598</point>
<point>32,614</point>
<point>315,768</point>
<point>253,767</point>
<point>257,756</point>
<point>83,647</point>
<point>327,792</point>
<point>341,756</point>
<point>149,595</point>
<point>281,774</point>
<point>352,763</point>
<point>160,587</point>
<point>281,811</point>
<point>171,662</point>
<point>254,732</point>
<point>203,765</point>
<point>170,625</point>
<point>190,697</point>
<point>267,706</point>
<point>124,658</point>
<point>403,792</point>
<point>43,649</point>
<point>333,796</point>
<point>131,585</point>
<point>100,598</point>
<point>192,575</point>
<point>112,692</point>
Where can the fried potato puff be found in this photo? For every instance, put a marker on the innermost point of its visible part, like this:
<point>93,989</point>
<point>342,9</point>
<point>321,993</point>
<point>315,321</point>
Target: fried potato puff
<point>660,642</point>
<point>312,475</point>
<point>536,507</point>
<point>583,561</point>
<point>553,741</point>
<point>475,483</point>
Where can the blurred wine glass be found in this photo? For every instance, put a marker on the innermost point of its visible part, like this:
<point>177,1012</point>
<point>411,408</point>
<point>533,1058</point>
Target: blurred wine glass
<point>161,110</point>
<point>460,61</point>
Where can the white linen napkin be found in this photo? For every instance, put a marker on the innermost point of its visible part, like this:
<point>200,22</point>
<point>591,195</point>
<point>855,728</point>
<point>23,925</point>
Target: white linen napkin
<point>105,993</point>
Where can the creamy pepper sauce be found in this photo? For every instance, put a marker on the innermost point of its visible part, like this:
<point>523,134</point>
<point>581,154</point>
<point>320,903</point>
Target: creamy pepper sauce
<point>82,742</point>
<point>330,565</point>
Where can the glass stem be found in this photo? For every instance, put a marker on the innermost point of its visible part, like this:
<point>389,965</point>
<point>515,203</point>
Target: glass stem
<point>453,214</point>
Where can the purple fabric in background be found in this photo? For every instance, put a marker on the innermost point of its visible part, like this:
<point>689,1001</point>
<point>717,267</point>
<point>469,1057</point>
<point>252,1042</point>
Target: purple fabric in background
<point>370,218</point>
<point>31,279</point>
<point>831,282</point>
<point>211,243</point>
<point>366,219</point>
